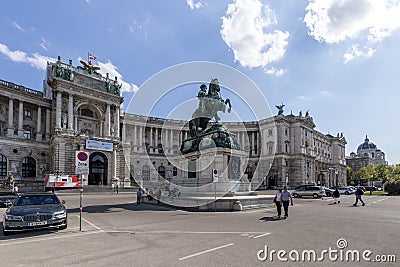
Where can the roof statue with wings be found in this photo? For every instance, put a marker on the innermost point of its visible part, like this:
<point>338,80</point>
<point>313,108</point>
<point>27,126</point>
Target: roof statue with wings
<point>89,66</point>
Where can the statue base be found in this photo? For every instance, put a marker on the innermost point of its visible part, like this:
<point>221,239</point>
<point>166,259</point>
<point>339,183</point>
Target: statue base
<point>216,136</point>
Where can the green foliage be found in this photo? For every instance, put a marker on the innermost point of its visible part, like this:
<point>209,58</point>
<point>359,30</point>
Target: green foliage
<point>393,187</point>
<point>379,172</point>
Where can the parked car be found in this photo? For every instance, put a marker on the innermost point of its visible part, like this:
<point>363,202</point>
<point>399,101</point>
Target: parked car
<point>7,198</point>
<point>303,186</point>
<point>34,211</point>
<point>314,191</point>
<point>328,191</point>
<point>347,190</point>
<point>370,188</point>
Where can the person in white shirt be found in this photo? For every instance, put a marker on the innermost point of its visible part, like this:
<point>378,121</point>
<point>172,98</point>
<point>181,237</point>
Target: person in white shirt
<point>285,198</point>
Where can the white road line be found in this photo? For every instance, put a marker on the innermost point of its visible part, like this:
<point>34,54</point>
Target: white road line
<point>91,224</point>
<point>205,251</point>
<point>262,235</point>
<point>34,239</point>
<point>192,232</point>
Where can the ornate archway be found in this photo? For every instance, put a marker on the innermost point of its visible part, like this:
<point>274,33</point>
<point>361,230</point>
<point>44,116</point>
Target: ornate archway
<point>98,169</point>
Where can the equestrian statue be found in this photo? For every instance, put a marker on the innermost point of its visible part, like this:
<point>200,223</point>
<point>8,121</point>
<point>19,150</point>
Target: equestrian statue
<point>209,105</point>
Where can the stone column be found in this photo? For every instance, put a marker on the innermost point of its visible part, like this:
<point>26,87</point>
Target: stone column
<point>58,110</point>
<point>116,121</point>
<point>171,139</point>
<point>186,135</point>
<point>243,140</point>
<point>108,120</point>
<point>47,131</point>
<point>10,130</point>
<point>258,142</point>
<point>39,124</point>
<point>135,142</point>
<point>115,163</point>
<point>156,137</point>
<point>253,142</point>
<point>70,112</point>
<point>21,119</point>
<point>151,137</point>
<point>140,139</point>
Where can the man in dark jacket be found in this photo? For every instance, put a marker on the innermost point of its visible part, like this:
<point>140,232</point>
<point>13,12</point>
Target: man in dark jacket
<point>359,193</point>
<point>336,196</point>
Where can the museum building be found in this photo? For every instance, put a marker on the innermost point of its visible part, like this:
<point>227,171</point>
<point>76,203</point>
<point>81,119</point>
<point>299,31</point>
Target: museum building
<point>79,109</point>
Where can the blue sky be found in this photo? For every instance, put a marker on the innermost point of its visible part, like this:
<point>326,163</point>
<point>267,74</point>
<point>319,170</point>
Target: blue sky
<point>336,58</point>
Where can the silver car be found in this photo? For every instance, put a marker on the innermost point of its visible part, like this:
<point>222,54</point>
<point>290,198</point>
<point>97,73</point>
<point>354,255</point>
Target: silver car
<point>34,211</point>
<point>311,191</point>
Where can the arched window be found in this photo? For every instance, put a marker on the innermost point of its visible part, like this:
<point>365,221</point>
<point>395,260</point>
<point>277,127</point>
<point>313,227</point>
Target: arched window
<point>28,167</point>
<point>146,172</point>
<point>3,166</point>
<point>161,171</point>
<point>87,113</point>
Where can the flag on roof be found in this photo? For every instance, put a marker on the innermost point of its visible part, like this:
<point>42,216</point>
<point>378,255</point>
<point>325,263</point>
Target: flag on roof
<point>91,57</point>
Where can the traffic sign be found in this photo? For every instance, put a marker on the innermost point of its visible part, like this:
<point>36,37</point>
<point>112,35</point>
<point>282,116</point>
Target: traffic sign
<point>215,175</point>
<point>81,162</point>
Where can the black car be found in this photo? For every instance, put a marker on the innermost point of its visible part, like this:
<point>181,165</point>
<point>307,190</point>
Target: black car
<point>329,191</point>
<point>35,211</point>
<point>7,198</point>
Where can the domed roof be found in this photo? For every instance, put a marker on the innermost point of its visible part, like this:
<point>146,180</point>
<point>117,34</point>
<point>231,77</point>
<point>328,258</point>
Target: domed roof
<point>366,145</point>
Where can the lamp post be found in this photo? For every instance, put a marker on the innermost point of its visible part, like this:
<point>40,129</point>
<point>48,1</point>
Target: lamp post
<point>337,177</point>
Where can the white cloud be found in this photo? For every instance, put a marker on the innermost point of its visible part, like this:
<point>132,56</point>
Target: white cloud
<point>274,71</point>
<point>44,44</point>
<point>194,5</point>
<point>36,60</point>
<point>16,25</point>
<point>108,67</point>
<point>356,51</point>
<point>244,31</point>
<point>366,21</point>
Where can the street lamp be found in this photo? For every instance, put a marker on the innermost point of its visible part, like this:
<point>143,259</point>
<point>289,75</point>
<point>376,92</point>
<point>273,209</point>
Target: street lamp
<point>337,177</point>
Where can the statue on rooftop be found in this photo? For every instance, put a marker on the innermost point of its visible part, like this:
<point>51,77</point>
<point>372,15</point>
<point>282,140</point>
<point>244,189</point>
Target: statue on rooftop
<point>280,109</point>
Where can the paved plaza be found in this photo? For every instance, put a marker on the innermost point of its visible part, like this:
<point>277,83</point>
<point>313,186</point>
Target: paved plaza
<point>117,232</point>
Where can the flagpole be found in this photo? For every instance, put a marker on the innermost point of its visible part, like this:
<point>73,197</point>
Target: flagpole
<point>88,57</point>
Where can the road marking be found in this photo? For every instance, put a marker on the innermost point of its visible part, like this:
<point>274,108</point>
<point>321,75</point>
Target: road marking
<point>35,239</point>
<point>262,235</point>
<point>91,224</point>
<point>205,251</point>
<point>191,232</point>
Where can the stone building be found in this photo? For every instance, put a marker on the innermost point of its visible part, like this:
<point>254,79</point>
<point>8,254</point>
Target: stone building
<point>81,110</point>
<point>367,153</point>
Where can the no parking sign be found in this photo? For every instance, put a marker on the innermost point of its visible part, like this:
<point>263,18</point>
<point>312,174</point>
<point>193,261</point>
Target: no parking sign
<point>81,162</point>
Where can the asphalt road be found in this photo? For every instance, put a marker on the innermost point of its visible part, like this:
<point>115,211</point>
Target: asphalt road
<point>117,232</point>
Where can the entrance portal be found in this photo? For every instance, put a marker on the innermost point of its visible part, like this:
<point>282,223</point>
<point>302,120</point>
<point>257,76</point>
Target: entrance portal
<point>98,169</point>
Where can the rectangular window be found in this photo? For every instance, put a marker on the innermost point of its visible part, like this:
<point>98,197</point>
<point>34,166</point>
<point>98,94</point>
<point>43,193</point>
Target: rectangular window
<point>269,132</point>
<point>27,114</point>
<point>192,169</point>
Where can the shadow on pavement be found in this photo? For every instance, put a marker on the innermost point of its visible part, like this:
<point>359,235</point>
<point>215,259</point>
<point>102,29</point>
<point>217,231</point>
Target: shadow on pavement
<point>270,219</point>
<point>127,206</point>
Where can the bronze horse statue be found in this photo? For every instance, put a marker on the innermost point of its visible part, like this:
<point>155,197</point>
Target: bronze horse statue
<point>209,105</point>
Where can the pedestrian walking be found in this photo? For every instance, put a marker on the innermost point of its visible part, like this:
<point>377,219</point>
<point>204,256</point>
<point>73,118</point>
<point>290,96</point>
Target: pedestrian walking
<point>336,196</point>
<point>285,198</point>
<point>158,196</point>
<point>278,203</point>
<point>359,193</point>
<point>113,186</point>
<point>138,196</point>
<point>116,187</point>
